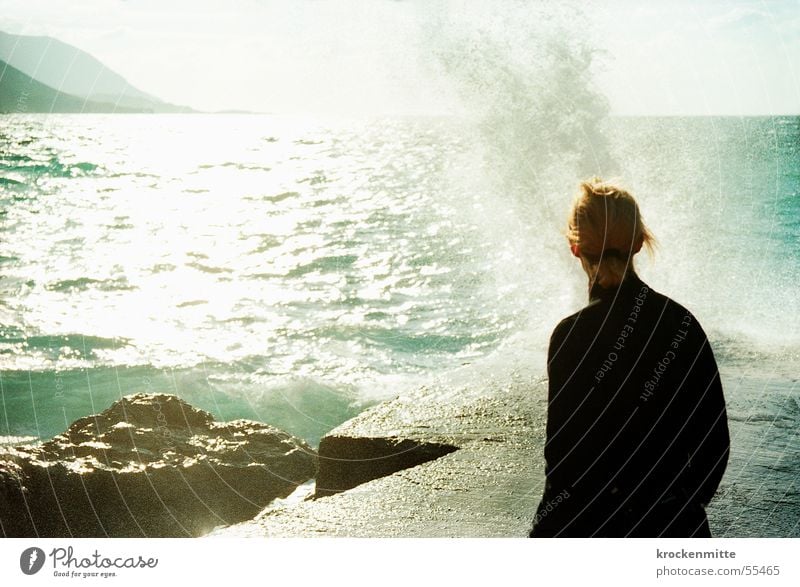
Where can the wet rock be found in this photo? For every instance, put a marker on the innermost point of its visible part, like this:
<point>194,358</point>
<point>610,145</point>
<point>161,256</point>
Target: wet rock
<point>350,461</point>
<point>491,484</point>
<point>150,465</point>
<point>436,462</point>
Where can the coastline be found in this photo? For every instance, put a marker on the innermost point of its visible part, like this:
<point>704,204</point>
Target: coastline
<point>487,487</point>
<point>491,484</point>
<point>465,460</point>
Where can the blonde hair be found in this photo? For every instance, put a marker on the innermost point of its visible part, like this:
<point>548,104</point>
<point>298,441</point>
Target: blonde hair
<point>606,225</point>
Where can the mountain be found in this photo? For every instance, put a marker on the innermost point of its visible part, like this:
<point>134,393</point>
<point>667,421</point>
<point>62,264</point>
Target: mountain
<point>71,72</point>
<point>21,93</point>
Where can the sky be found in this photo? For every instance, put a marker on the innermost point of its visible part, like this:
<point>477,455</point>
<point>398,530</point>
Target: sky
<point>672,57</point>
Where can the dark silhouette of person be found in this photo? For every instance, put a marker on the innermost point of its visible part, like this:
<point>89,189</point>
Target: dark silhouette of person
<point>637,431</point>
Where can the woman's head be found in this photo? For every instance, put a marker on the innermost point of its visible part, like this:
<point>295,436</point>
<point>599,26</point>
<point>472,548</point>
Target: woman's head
<point>605,230</point>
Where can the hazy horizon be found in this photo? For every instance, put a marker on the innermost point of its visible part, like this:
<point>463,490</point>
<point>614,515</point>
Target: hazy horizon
<point>384,57</point>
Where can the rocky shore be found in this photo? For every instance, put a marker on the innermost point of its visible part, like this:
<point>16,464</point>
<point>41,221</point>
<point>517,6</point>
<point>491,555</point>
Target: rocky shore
<point>442,461</point>
<point>452,462</point>
<point>434,463</point>
<point>150,465</point>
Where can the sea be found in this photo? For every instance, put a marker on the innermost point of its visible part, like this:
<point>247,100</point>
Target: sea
<point>297,269</point>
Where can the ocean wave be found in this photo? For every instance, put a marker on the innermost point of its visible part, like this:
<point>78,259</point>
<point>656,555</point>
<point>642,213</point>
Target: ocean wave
<point>323,265</point>
<point>209,268</point>
<point>85,283</point>
<point>236,165</point>
<point>281,196</point>
<point>41,404</point>
<point>8,182</point>
<point>318,178</point>
<point>266,242</point>
<point>191,303</point>
<point>50,168</point>
<point>136,174</point>
<point>162,268</point>
<point>81,343</point>
<point>408,342</point>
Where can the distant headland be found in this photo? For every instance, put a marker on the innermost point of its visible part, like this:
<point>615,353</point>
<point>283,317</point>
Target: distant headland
<point>43,74</point>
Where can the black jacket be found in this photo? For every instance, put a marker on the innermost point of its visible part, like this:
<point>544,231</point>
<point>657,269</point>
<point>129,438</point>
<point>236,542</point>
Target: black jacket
<point>637,432</point>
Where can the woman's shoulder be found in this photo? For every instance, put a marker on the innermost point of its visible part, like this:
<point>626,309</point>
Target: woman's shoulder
<point>670,320</point>
<point>565,325</point>
<point>673,311</point>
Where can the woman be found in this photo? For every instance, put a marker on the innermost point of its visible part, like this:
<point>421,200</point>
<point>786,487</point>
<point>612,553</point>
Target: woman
<point>637,433</point>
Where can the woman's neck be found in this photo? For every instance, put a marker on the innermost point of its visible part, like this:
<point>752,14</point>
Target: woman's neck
<point>597,291</point>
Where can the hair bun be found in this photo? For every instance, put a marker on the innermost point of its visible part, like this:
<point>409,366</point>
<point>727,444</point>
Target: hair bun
<point>605,223</point>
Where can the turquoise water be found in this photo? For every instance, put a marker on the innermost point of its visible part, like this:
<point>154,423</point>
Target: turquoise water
<point>295,270</point>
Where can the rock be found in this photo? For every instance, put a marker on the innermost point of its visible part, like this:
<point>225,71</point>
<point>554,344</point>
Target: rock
<point>437,462</point>
<point>350,461</point>
<point>488,477</point>
<point>150,465</point>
